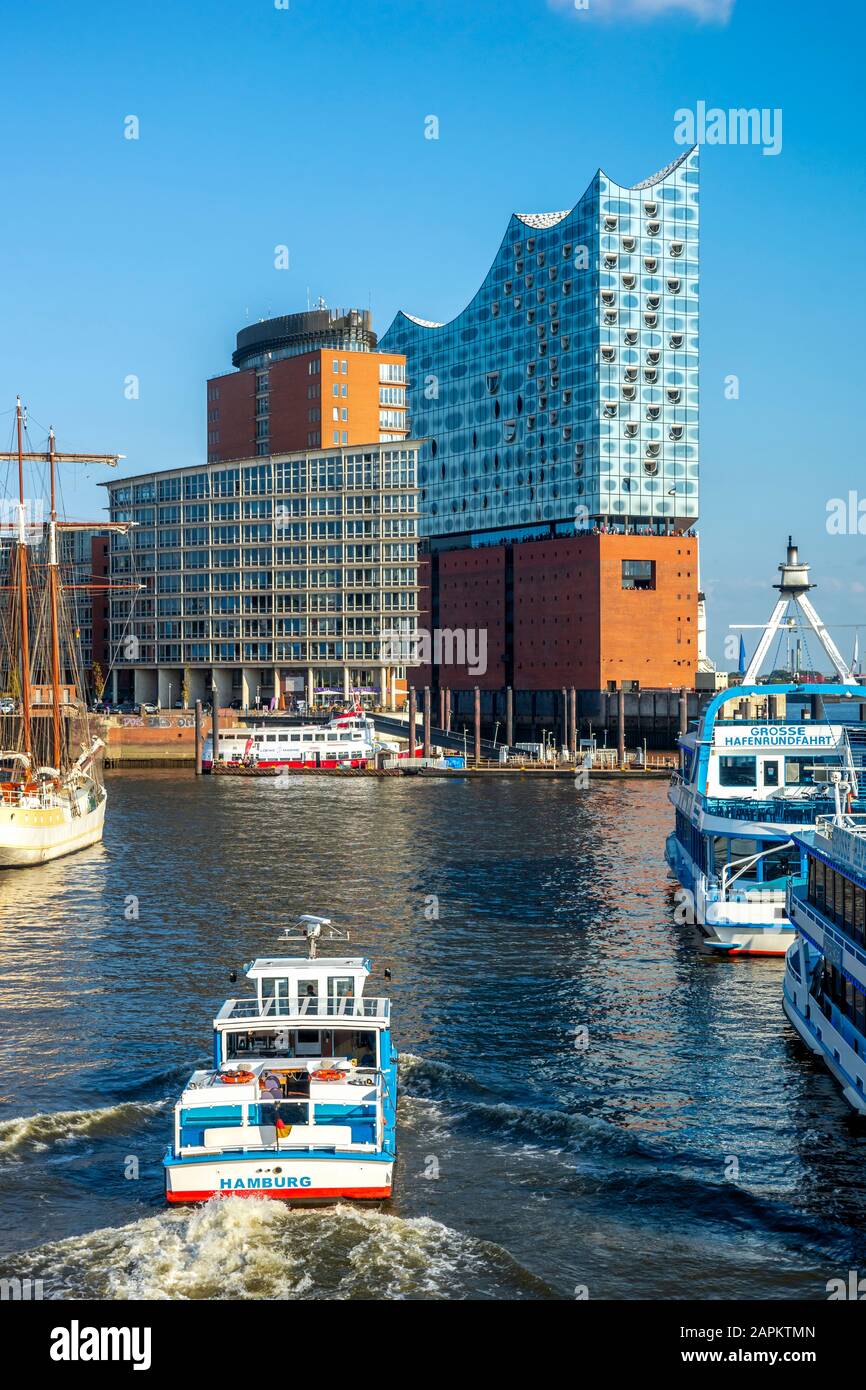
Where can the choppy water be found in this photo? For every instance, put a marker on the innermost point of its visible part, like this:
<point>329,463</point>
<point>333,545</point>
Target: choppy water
<point>692,1149</point>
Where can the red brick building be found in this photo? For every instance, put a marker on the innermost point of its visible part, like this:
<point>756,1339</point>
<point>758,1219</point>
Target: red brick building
<point>306,381</point>
<point>593,611</point>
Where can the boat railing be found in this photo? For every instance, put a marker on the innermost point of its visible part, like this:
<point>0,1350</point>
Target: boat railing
<point>305,1128</point>
<point>797,893</point>
<point>780,811</point>
<point>309,1007</point>
<point>854,821</point>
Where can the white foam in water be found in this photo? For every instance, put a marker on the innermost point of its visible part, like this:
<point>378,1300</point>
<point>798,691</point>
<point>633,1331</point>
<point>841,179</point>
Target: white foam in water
<point>264,1249</point>
<point>36,1133</point>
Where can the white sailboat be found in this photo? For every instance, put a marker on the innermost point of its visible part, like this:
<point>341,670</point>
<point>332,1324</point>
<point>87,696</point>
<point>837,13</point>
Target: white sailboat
<point>53,795</point>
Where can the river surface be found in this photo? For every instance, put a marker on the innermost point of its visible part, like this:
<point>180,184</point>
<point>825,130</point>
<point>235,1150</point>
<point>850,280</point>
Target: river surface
<point>591,1104</point>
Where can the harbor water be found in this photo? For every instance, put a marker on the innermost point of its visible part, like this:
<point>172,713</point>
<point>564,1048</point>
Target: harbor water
<point>591,1104</point>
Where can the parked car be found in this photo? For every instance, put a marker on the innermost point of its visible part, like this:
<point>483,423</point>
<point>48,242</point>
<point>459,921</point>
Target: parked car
<point>236,704</point>
<point>148,708</point>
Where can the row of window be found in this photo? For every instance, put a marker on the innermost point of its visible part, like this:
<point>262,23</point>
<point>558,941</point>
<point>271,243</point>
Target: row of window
<point>838,898</point>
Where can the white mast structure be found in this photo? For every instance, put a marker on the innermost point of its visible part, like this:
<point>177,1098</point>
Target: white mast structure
<point>793,610</point>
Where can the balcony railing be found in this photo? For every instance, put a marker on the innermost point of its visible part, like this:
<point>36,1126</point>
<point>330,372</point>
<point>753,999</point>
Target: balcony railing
<point>309,1007</point>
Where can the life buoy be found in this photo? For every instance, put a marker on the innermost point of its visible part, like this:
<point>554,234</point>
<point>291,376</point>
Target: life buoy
<point>237,1078</point>
<point>328,1074</point>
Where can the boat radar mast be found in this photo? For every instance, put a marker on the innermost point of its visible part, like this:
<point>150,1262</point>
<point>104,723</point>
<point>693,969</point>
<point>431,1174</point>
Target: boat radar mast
<point>794,609</point>
<point>309,929</point>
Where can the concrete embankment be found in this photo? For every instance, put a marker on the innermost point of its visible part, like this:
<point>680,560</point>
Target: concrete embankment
<point>166,740</point>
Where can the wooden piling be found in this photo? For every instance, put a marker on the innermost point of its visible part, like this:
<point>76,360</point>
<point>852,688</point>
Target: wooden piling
<point>427,715</point>
<point>215,726</point>
<point>198,738</point>
<point>413,715</point>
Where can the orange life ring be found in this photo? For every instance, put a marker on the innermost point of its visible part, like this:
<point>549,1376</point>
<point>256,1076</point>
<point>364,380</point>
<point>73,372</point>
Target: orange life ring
<point>328,1074</point>
<point>237,1078</point>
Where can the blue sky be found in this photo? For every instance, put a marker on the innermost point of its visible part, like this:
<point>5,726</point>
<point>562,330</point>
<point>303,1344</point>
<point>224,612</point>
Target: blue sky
<point>304,126</point>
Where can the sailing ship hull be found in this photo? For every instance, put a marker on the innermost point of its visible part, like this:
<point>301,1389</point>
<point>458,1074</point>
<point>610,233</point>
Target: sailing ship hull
<point>287,1176</point>
<point>35,836</point>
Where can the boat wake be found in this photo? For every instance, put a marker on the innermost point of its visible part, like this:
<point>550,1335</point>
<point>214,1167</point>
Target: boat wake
<point>424,1076</point>
<point>36,1133</point>
<point>259,1249</point>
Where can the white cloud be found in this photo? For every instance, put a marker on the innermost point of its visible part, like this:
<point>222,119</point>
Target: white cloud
<point>707,11</point>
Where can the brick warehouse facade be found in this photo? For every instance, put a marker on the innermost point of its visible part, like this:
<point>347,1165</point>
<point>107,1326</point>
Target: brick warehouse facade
<point>593,611</point>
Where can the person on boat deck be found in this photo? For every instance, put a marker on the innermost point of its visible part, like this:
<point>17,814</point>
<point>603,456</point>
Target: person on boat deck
<point>269,1082</point>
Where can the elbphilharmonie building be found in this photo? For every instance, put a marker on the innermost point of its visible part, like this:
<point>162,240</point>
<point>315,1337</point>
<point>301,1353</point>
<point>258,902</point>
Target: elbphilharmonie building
<point>566,392</point>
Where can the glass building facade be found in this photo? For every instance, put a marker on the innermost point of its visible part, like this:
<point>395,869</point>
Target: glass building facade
<point>566,393</point>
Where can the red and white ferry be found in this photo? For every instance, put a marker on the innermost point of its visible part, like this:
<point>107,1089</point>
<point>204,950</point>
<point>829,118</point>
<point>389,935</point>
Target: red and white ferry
<point>347,740</point>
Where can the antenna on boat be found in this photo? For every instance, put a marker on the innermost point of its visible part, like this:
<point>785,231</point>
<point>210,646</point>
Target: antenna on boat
<point>794,585</point>
<point>309,929</point>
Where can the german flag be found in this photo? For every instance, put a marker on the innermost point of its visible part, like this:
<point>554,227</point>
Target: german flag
<point>283,1130</point>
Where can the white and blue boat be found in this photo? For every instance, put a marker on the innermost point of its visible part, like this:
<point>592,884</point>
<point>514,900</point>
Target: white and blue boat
<point>756,770</point>
<point>759,767</point>
<point>825,968</point>
<point>301,1100</point>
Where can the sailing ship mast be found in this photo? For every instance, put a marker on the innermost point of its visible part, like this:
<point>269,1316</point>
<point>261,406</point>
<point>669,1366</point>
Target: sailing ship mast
<point>52,458</point>
<point>55,631</point>
<point>21,558</point>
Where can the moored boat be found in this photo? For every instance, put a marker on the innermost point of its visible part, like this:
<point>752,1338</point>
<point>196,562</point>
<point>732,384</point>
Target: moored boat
<point>758,768</point>
<point>824,994</point>
<point>274,745</point>
<point>300,1102</point>
<point>53,795</point>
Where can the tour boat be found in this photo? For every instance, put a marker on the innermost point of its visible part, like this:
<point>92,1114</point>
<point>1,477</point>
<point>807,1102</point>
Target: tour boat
<point>301,1100</point>
<point>755,771</point>
<point>824,993</point>
<point>53,796</point>
<point>347,740</point>
<point>760,765</point>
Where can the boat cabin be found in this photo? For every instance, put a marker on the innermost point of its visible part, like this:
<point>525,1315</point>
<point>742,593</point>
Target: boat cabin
<point>308,1047</point>
<point>310,1010</point>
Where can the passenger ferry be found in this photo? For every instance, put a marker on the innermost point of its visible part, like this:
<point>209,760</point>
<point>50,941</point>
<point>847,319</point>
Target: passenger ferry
<point>758,769</point>
<point>301,1100</point>
<point>825,968</point>
<point>348,740</point>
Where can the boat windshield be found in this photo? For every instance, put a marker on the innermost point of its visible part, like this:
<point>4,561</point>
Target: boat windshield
<point>350,1044</point>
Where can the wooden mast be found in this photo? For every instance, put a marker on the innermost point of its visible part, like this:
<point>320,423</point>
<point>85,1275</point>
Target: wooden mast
<point>23,612</point>
<point>52,457</point>
<point>55,630</point>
